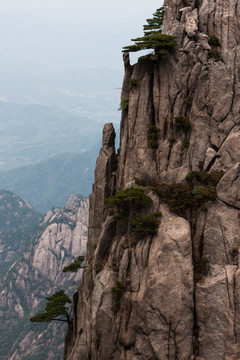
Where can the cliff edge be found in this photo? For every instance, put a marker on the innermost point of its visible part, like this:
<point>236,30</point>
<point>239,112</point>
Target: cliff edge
<point>172,291</point>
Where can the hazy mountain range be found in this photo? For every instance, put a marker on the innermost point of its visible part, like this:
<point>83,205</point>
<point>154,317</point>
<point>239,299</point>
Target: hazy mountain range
<point>44,112</point>
<point>49,183</point>
<point>51,118</point>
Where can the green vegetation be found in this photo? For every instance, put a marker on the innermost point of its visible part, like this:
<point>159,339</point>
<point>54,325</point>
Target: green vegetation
<point>133,83</point>
<point>153,38</point>
<point>118,290</point>
<point>128,205</point>
<point>34,286</point>
<point>171,141</point>
<point>75,265</point>
<point>182,123</point>
<point>201,192</point>
<point>177,196</point>
<point>215,44</point>
<point>155,24</point>
<point>124,103</point>
<point>115,265</point>
<point>213,41</point>
<point>132,198</point>
<point>186,143</point>
<point>201,187</point>
<point>235,252</point>
<point>215,54</point>
<point>201,268</point>
<point>145,225</point>
<point>55,309</point>
<point>204,177</point>
<point>152,136</point>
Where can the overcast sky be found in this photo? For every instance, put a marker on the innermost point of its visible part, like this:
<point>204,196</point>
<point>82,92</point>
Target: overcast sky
<point>58,28</point>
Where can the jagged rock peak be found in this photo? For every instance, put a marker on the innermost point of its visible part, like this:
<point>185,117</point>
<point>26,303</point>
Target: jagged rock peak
<point>174,293</point>
<point>8,197</point>
<point>73,201</point>
<point>108,138</point>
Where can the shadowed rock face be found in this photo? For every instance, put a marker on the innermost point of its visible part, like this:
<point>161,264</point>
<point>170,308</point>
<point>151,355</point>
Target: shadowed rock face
<point>160,312</point>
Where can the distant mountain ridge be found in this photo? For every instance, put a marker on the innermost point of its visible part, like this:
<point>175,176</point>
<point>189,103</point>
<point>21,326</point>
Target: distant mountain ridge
<point>18,222</point>
<point>49,183</point>
<point>33,132</point>
<point>36,274</point>
<point>49,110</point>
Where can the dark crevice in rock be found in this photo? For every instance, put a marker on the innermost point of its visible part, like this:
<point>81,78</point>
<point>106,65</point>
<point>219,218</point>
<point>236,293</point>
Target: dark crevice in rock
<point>214,147</point>
<point>235,306</point>
<point>165,128</point>
<point>201,244</point>
<point>211,163</point>
<point>224,243</point>
<point>228,291</point>
<point>195,329</point>
<point>230,205</point>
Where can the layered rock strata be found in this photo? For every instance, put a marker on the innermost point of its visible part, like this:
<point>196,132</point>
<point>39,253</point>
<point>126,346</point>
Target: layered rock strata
<point>161,311</point>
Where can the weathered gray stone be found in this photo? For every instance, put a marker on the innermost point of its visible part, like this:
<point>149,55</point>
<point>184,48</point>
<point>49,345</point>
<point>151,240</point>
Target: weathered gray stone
<point>229,187</point>
<point>191,23</point>
<point>105,178</point>
<point>161,313</point>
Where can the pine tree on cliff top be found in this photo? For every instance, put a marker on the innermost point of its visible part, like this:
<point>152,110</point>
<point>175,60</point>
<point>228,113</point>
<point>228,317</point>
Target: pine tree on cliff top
<point>153,38</point>
<point>154,24</point>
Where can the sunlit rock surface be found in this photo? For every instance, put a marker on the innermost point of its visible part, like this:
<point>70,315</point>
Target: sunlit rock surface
<point>162,313</point>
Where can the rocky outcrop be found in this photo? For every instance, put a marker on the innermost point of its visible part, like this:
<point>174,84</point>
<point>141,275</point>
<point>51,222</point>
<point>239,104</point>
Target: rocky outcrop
<point>19,221</point>
<point>173,294</point>
<point>37,274</point>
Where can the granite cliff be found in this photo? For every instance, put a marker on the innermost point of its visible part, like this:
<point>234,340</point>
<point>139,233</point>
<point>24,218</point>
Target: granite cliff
<point>172,292</point>
<point>35,274</point>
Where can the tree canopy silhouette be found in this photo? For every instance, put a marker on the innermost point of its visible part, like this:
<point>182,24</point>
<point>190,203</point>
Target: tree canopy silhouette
<point>76,265</point>
<point>55,309</point>
<point>153,38</point>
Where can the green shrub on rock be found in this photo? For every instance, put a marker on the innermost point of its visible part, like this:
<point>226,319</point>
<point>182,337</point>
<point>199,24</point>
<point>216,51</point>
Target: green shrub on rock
<point>215,44</point>
<point>182,123</point>
<point>124,104</point>
<point>152,136</point>
<point>201,192</point>
<point>145,225</point>
<point>204,177</point>
<point>201,187</point>
<point>186,143</point>
<point>178,197</point>
<point>133,83</point>
<point>76,265</point>
<point>129,198</point>
<point>118,289</point>
<point>213,41</point>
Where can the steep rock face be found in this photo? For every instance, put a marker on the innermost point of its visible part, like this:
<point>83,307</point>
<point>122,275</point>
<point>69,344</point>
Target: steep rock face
<point>162,306</point>
<point>37,274</point>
